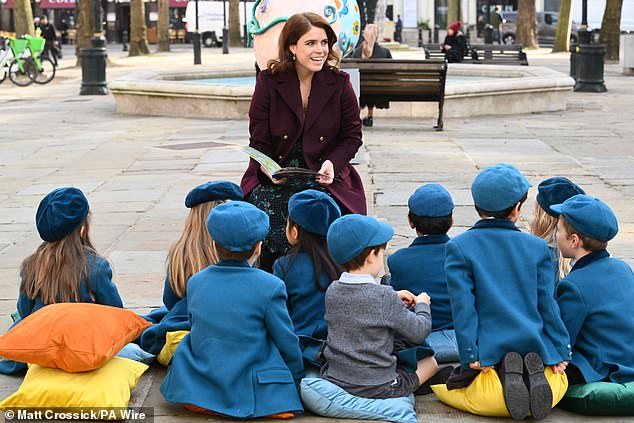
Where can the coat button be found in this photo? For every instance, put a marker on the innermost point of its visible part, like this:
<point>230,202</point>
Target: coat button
<point>320,160</point>
<point>321,138</point>
<point>285,137</point>
<point>280,157</point>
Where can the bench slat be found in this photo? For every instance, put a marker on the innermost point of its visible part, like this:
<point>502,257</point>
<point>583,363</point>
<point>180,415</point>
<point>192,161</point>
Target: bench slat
<point>402,80</point>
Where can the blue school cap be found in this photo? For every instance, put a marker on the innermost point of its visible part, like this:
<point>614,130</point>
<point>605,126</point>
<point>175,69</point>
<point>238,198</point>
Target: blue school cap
<point>590,216</point>
<point>431,200</point>
<point>314,211</point>
<point>60,213</point>
<point>237,225</point>
<point>349,235</point>
<point>213,191</point>
<point>499,187</point>
<point>555,191</point>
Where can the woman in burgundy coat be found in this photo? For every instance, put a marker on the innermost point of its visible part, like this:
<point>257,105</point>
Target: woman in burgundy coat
<point>304,113</point>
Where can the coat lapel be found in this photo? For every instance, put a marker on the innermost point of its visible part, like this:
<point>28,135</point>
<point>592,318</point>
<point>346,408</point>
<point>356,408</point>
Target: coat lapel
<point>288,88</point>
<point>320,94</point>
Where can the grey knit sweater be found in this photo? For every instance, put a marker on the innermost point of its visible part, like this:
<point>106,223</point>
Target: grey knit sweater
<point>363,320</point>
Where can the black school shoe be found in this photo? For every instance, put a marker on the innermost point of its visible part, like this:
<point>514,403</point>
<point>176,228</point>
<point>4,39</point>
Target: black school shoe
<point>541,396</point>
<point>516,394</point>
<point>368,121</point>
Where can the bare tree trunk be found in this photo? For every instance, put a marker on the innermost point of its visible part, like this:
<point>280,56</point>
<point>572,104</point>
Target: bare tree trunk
<point>453,7</point>
<point>23,18</point>
<point>138,29</point>
<point>611,28</point>
<point>527,24</point>
<point>562,40</point>
<point>234,23</point>
<point>85,26</point>
<point>163,25</point>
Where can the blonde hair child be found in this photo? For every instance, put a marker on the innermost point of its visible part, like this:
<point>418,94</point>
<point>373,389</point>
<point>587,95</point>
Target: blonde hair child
<point>551,191</point>
<point>194,250</point>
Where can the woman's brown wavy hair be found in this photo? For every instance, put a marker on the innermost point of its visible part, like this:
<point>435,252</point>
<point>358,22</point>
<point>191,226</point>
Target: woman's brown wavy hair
<point>296,26</point>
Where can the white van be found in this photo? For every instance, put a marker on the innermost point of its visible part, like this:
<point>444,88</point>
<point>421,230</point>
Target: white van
<point>211,19</point>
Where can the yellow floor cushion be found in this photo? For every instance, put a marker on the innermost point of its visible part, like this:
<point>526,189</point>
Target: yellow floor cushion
<point>105,388</point>
<point>172,339</point>
<point>485,397</point>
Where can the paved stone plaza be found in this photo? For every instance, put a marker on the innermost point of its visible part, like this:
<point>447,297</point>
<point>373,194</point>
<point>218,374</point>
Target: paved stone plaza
<point>136,171</point>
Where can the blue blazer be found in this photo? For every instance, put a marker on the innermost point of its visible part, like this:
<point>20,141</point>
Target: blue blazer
<point>596,301</point>
<point>172,317</point>
<point>502,291</point>
<point>103,289</point>
<point>170,298</point>
<point>306,303</point>
<point>241,358</point>
<point>421,268</point>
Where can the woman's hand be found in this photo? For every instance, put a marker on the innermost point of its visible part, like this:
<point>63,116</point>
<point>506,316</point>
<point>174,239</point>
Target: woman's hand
<point>327,173</point>
<point>275,181</point>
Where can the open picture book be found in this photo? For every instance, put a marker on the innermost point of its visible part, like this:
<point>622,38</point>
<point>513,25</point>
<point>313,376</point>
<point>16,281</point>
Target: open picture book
<point>275,170</point>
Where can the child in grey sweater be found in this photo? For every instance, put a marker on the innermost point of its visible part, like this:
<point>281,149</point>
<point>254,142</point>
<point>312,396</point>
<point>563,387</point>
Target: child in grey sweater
<point>364,317</point>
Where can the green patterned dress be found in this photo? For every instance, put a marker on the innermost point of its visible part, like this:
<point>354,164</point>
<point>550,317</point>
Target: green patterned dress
<point>273,199</point>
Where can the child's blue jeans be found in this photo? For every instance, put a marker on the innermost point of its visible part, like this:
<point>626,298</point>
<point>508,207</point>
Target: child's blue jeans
<point>445,346</point>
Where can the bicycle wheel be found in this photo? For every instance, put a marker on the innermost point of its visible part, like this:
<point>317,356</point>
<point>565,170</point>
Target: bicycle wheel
<point>22,78</point>
<point>46,73</point>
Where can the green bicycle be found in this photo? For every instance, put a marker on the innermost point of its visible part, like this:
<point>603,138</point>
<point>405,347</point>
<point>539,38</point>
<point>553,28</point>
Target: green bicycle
<point>45,69</point>
<point>21,71</point>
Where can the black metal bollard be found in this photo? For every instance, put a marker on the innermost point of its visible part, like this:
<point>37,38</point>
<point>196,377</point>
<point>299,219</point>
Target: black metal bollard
<point>420,37</point>
<point>573,61</point>
<point>436,29</point>
<point>93,68</point>
<point>125,40</point>
<point>429,35</point>
<point>225,41</point>
<point>589,62</point>
<point>196,42</point>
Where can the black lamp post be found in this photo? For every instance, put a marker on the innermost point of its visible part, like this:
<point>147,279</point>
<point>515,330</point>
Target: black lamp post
<point>589,59</point>
<point>197,58</point>
<point>225,31</point>
<point>93,60</point>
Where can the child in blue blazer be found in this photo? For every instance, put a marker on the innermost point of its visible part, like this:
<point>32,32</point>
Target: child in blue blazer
<point>190,254</point>
<point>308,269</point>
<point>502,291</point>
<point>551,191</point>
<point>421,266</point>
<point>596,297</point>
<point>241,357</point>
<point>65,267</point>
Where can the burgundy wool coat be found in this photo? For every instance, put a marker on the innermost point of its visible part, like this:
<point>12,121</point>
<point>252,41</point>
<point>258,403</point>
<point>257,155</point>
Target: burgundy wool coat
<point>331,129</point>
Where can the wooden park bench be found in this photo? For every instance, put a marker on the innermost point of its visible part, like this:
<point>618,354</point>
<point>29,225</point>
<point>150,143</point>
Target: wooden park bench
<point>401,80</point>
<point>490,54</point>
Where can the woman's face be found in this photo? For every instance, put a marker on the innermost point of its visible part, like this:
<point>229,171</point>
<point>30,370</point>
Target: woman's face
<point>311,51</point>
<point>450,32</point>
